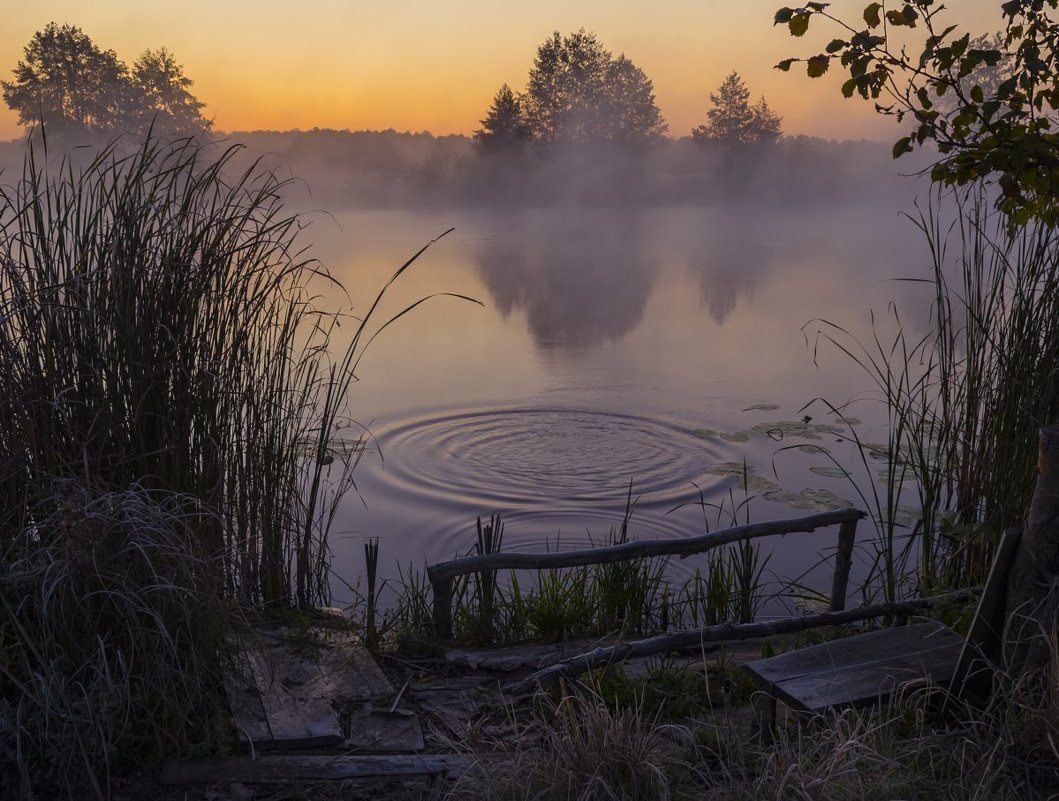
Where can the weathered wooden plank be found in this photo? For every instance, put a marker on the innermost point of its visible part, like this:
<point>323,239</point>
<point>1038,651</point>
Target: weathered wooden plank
<point>873,646</point>
<point>865,683</point>
<point>297,688</point>
<point>984,646</point>
<point>381,731</point>
<point>284,769</point>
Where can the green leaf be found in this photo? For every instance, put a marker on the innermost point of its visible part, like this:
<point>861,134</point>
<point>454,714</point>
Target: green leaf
<point>871,15</point>
<point>783,16</point>
<point>977,95</point>
<point>785,65</point>
<point>835,45</point>
<point>849,87</point>
<point>902,146</point>
<point>799,23</point>
<point>1011,8</point>
<point>818,6</point>
<point>817,66</point>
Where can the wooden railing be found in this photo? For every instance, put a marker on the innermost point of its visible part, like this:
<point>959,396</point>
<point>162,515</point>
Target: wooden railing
<point>442,574</point>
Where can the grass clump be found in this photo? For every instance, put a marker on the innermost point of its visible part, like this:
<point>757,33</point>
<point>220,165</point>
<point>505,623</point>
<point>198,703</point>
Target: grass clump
<point>635,597</point>
<point>110,621</point>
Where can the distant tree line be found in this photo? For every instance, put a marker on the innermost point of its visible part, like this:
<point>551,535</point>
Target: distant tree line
<point>579,92</point>
<point>67,83</point>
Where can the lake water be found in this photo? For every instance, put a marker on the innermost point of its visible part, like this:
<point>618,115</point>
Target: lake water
<point>659,349</point>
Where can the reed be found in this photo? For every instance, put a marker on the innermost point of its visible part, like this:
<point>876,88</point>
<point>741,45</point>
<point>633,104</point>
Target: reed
<point>170,443</point>
<point>964,400</point>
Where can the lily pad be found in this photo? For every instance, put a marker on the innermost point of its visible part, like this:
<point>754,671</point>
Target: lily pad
<point>762,407</point>
<point>849,421</point>
<point>782,429</point>
<point>737,436</point>
<point>730,469</point>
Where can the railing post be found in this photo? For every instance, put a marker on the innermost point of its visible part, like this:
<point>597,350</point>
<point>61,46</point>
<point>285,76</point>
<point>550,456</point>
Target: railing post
<point>847,535</point>
<point>442,607</point>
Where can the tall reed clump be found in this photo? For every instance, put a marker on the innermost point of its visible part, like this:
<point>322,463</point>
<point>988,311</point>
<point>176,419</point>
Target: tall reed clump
<point>965,399</point>
<point>168,445</point>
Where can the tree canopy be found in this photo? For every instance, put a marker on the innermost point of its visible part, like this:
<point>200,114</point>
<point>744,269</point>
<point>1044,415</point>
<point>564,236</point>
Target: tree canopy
<point>733,120</point>
<point>577,92</point>
<point>66,82</point>
<point>1003,131</point>
<point>505,123</point>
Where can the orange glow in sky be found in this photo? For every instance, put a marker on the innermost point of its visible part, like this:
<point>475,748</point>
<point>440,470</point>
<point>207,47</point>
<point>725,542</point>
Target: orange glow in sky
<point>263,64</point>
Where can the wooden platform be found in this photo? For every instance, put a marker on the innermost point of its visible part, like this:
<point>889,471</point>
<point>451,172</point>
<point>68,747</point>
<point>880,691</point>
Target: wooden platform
<point>312,688</point>
<point>860,670</point>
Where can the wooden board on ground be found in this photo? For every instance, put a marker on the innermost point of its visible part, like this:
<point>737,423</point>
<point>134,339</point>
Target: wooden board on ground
<point>283,769</point>
<point>286,688</point>
<point>382,731</point>
<point>859,670</point>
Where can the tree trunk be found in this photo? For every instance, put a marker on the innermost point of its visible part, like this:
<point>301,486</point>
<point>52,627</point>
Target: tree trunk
<point>1033,584</point>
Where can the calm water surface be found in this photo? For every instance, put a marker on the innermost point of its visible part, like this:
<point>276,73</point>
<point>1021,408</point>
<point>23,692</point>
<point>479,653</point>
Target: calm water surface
<point>660,349</point>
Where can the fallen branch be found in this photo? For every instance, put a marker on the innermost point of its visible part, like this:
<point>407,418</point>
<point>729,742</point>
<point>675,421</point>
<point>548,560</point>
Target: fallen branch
<point>728,631</point>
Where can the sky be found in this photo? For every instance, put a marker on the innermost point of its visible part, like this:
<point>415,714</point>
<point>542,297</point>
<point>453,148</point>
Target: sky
<point>435,66</point>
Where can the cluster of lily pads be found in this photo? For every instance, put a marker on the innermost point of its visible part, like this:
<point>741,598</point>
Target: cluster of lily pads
<point>805,436</point>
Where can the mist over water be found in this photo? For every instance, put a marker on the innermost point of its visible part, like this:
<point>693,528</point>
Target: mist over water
<point>628,338</point>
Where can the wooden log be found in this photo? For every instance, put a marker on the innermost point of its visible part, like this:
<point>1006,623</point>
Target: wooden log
<point>442,574</point>
<point>847,536</point>
<point>637,549</point>
<point>287,769</point>
<point>728,631</point>
<point>1032,603</point>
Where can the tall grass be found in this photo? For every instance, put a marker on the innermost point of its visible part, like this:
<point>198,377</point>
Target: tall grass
<point>158,327</point>
<point>964,400</point>
<point>169,444</point>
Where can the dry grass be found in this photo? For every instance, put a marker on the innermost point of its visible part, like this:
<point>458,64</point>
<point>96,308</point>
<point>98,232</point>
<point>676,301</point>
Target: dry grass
<point>581,748</point>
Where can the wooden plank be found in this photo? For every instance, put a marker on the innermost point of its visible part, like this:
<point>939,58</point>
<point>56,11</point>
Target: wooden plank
<point>380,731</point>
<point>983,649</point>
<point>298,688</point>
<point>865,683</point>
<point>873,646</point>
<point>244,700</point>
<point>285,769</point>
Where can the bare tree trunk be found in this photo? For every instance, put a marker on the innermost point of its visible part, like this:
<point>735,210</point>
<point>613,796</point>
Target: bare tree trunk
<point>1033,584</point>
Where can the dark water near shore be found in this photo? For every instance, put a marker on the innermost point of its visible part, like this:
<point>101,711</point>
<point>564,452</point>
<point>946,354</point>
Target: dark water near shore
<point>660,348</point>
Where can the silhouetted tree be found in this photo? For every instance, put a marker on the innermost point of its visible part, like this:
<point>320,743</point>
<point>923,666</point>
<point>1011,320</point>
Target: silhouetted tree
<point>66,82</point>
<point>505,124</point>
<point>733,120</point>
<point>630,103</point>
<point>578,92</point>
<point>162,95</point>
